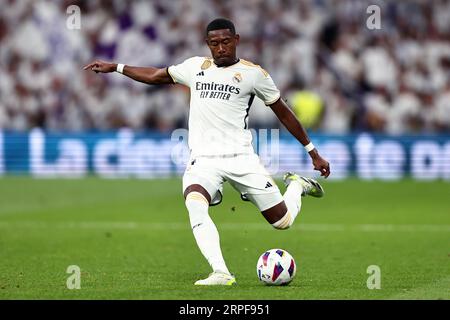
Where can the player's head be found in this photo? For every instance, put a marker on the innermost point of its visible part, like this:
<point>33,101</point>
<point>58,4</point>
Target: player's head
<point>222,40</point>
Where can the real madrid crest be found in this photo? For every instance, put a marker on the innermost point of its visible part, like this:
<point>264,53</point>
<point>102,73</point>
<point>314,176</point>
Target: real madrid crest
<point>206,64</point>
<point>237,78</point>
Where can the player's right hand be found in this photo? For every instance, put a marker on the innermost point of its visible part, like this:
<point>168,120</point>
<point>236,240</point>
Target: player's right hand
<point>101,66</point>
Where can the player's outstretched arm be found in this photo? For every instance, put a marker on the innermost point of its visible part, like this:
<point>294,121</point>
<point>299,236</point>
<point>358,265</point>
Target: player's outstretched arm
<point>290,121</point>
<point>147,75</point>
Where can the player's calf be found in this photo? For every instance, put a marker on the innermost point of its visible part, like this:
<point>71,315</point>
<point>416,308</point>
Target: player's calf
<point>279,216</point>
<point>285,222</point>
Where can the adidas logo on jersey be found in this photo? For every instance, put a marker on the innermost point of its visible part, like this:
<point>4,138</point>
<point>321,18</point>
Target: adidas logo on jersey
<point>268,185</point>
<point>200,74</point>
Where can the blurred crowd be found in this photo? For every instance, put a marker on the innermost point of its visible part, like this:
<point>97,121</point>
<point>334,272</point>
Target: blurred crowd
<point>333,69</point>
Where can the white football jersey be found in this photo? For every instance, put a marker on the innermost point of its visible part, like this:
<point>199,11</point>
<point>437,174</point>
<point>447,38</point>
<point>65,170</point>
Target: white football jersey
<point>220,102</point>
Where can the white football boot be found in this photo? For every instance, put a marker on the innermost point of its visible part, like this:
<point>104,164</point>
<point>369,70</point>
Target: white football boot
<point>310,186</point>
<point>217,279</point>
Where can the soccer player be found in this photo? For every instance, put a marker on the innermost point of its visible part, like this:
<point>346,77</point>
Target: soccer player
<point>222,90</point>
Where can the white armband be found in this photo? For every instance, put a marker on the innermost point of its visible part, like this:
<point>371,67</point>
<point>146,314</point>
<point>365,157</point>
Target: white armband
<point>309,147</point>
<point>120,67</point>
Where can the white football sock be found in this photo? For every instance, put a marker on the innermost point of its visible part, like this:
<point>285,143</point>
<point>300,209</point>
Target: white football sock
<point>205,231</point>
<point>293,200</point>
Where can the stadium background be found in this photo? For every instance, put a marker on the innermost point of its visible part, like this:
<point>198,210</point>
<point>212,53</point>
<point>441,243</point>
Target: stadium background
<point>338,75</point>
<point>376,103</point>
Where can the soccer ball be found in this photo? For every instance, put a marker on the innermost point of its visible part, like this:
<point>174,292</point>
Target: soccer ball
<point>276,267</point>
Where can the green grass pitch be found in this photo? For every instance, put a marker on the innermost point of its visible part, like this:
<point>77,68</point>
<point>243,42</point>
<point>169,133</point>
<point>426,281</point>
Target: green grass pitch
<point>132,240</point>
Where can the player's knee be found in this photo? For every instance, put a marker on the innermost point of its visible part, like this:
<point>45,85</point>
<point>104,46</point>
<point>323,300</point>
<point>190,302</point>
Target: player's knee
<point>284,223</point>
<point>196,189</point>
<point>194,199</point>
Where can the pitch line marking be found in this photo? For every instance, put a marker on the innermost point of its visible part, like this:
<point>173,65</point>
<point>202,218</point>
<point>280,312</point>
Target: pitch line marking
<point>313,227</point>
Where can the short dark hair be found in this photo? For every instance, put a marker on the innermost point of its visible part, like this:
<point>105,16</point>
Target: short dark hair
<point>220,23</point>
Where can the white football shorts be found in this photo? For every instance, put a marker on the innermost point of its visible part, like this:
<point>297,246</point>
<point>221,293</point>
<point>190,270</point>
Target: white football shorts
<point>244,172</point>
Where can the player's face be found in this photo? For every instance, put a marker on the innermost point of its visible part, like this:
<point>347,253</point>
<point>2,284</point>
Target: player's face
<point>222,44</point>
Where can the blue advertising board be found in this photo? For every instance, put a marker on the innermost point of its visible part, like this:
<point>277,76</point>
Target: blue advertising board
<point>128,154</point>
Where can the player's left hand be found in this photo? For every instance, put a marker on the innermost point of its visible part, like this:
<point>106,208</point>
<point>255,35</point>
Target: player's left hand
<point>320,164</point>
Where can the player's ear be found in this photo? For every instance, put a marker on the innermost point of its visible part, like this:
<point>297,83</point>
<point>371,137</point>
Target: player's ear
<point>207,43</point>
<point>237,37</point>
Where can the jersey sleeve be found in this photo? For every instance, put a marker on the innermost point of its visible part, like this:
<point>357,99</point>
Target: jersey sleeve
<point>181,73</point>
<point>265,88</point>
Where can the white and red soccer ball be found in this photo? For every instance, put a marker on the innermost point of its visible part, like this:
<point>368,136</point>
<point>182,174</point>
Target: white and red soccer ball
<point>276,267</point>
